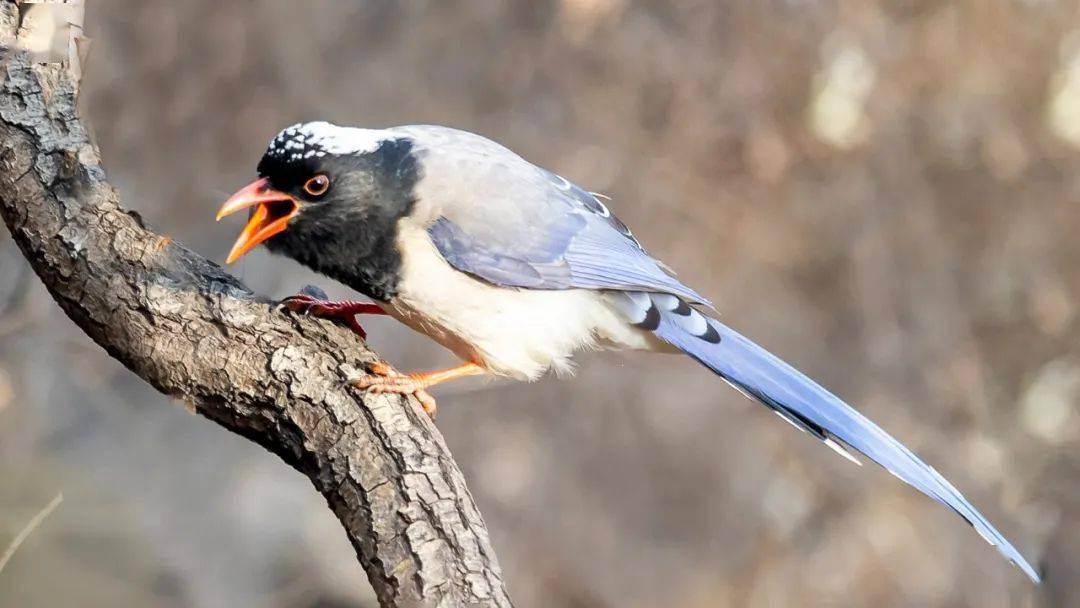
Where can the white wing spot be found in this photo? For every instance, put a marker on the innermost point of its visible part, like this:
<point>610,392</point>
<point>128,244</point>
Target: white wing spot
<point>562,183</point>
<point>666,301</point>
<point>782,415</point>
<point>694,323</point>
<point>839,449</point>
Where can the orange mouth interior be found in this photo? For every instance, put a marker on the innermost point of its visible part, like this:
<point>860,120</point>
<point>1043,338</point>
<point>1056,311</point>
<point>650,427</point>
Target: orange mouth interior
<point>270,215</point>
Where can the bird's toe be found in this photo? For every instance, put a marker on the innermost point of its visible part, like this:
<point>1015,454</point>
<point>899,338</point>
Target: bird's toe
<point>385,379</point>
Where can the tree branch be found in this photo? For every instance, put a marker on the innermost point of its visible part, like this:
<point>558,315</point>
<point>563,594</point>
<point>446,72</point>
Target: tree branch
<point>197,334</point>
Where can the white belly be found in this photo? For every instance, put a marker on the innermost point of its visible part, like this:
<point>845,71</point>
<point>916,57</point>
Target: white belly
<point>520,333</point>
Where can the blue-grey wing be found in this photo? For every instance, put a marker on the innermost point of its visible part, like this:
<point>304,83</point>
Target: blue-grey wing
<point>522,226</point>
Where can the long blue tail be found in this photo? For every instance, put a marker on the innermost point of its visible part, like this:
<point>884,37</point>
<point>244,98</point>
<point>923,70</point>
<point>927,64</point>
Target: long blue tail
<point>800,401</point>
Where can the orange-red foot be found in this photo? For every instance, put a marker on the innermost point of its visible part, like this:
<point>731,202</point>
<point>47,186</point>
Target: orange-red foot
<point>344,310</point>
<point>385,379</point>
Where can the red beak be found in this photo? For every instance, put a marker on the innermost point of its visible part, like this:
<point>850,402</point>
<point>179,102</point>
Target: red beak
<point>273,211</point>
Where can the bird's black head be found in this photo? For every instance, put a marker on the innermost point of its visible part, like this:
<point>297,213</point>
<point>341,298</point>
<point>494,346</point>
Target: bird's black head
<point>330,197</point>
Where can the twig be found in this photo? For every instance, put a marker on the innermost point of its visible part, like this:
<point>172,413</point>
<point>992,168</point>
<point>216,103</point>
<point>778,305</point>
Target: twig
<point>29,529</point>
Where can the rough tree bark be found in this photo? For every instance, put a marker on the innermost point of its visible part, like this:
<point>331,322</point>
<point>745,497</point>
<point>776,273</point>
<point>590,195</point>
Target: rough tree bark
<point>196,333</point>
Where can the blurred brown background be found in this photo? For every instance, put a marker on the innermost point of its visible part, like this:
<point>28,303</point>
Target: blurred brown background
<point>883,192</point>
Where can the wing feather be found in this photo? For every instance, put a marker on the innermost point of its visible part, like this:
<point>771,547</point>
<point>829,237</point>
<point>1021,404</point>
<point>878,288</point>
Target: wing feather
<point>526,227</point>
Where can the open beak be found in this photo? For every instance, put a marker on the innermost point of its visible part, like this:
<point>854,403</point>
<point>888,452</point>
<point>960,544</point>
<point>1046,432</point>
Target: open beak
<point>273,210</point>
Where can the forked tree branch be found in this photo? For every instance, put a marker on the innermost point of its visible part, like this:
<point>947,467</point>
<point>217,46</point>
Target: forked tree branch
<point>197,334</point>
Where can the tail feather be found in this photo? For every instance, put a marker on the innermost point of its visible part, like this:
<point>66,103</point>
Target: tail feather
<point>801,401</point>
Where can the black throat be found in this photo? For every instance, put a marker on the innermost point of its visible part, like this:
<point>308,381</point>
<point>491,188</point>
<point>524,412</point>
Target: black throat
<point>351,235</point>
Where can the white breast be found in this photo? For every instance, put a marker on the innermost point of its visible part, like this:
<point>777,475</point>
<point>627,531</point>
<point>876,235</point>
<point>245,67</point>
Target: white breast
<point>519,333</point>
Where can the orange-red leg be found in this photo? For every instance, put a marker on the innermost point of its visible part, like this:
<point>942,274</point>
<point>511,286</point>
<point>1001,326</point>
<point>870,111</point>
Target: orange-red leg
<point>343,310</point>
<point>385,379</point>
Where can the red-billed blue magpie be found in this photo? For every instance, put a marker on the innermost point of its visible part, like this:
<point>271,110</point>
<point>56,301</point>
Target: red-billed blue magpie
<point>514,269</point>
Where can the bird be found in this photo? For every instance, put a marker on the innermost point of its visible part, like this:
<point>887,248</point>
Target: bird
<point>514,269</point>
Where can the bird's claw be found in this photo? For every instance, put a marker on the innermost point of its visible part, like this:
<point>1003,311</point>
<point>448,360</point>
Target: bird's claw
<point>314,291</point>
<point>385,379</point>
<point>312,301</point>
<point>301,304</point>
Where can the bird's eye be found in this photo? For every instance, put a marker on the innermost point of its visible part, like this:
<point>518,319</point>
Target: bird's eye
<point>318,185</point>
